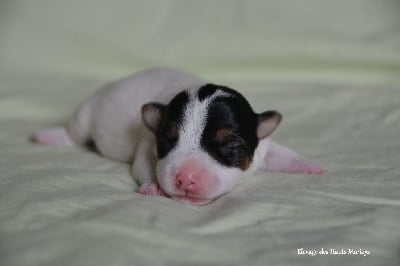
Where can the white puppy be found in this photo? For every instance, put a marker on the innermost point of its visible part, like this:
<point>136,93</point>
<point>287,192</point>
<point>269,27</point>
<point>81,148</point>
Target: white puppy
<point>186,138</point>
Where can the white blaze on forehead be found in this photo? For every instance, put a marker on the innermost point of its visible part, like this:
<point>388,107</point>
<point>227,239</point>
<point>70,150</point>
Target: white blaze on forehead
<point>194,120</point>
<point>189,147</point>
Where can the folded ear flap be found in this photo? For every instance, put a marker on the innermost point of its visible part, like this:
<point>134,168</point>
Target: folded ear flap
<point>152,114</point>
<point>267,122</point>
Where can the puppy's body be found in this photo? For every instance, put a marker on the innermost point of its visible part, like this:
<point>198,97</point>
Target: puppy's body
<point>187,139</point>
<point>112,118</point>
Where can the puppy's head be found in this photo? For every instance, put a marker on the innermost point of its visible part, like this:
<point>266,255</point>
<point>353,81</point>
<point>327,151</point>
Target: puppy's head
<point>206,138</point>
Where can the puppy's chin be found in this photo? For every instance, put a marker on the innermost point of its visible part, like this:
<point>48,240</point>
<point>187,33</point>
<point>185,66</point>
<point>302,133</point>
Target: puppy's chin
<point>191,200</point>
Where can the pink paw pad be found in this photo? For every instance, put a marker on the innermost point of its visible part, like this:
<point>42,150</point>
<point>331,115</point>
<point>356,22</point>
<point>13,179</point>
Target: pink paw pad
<point>151,189</point>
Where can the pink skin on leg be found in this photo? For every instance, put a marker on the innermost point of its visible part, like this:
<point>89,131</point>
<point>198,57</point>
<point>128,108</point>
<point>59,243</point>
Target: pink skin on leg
<point>55,137</point>
<point>305,167</point>
<point>282,159</point>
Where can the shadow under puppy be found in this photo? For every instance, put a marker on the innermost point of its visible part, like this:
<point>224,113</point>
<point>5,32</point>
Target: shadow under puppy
<point>187,139</point>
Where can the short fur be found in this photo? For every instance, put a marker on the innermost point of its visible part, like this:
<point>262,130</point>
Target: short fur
<point>186,139</point>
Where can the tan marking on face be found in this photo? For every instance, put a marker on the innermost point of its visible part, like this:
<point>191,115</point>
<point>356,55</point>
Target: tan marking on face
<point>223,134</point>
<point>246,163</point>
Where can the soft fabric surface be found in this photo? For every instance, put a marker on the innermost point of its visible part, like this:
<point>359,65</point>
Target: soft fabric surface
<point>332,70</point>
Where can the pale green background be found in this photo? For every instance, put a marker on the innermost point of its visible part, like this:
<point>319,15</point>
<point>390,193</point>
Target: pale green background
<point>355,39</point>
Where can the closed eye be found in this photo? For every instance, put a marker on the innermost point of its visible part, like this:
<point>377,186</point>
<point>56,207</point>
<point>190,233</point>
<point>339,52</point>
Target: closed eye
<point>165,143</point>
<point>228,139</point>
<point>230,144</point>
<point>229,148</point>
<point>233,152</point>
<point>168,139</point>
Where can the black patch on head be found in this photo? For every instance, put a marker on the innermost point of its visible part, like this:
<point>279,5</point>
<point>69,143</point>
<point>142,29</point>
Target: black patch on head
<point>206,91</point>
<point>168,134</point>
<point>209,89</point>
<point>233,118</point>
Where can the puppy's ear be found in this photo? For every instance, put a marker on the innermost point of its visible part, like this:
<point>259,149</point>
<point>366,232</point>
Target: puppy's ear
<point>152,114</point>
<point>267,123</point>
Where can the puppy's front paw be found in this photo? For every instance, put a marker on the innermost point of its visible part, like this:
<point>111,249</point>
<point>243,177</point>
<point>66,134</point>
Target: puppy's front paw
<point>151,189</point>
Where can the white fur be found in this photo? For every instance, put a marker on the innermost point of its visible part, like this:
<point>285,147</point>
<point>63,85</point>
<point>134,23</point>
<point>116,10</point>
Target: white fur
<point>111,118</point>
<point>189,148</point>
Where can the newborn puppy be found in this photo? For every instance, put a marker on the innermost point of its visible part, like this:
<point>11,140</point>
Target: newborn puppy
<point>186,138</point>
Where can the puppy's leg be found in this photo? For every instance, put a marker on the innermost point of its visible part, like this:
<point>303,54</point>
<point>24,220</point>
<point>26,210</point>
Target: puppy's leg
<point>76,131</point>
<point>143,168</point>
<point>279,158</point>
<point>70,135</point>
<point>55,136</point>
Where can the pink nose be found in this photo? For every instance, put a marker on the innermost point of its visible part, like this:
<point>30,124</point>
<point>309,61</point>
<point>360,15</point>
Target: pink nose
<point>186,182</point>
